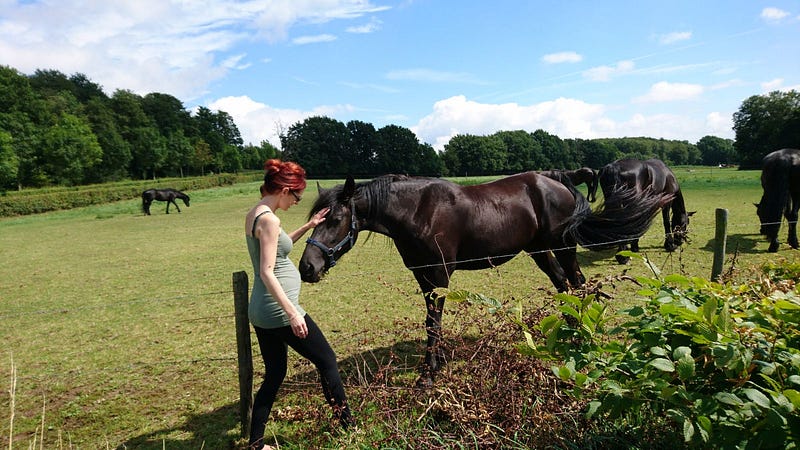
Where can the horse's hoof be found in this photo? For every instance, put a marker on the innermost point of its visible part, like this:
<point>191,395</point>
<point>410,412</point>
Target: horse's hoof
<point>425,382</point>
<point>623,259</point>
<point>773,248</point>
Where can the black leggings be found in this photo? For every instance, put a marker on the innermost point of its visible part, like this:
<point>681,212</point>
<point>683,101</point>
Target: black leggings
<point>273,343</point>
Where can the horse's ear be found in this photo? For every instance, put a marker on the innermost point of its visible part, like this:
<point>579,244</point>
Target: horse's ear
<point>349,188</point>
<point>691,213</point>
<point>757,205</point>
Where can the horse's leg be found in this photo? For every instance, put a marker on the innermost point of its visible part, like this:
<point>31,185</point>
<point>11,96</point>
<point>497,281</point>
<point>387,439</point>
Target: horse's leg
<point>624,246</point>
<point>550,266</point>
<point>146,207</point>
<point>434,305</point>
<point>176,205</point>
<point>568,259</point>
<point>669,239</point>
<point>791,217</point>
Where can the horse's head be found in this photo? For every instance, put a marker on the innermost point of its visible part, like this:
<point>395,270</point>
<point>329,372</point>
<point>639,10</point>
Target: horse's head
<point>186,200</point>
<point>335,236</point>
<point>680,230</point>
<point>770,226</point>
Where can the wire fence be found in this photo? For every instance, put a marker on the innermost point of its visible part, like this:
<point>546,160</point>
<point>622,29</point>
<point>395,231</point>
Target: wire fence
<point>224,359</point>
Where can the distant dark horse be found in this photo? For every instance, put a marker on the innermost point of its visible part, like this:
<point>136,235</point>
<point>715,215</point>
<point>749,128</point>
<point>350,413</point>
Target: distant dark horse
<point>780,179</point>
<point>652,175</point>
<point>439,227</point>
<point>163,195</point>
<point>576,177</point>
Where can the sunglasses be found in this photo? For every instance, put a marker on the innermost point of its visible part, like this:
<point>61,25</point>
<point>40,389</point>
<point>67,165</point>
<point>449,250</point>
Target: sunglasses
<point>297,198</point>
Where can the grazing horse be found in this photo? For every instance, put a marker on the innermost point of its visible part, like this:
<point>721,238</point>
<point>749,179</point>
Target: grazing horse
<point>438,227</point>
<point>576,177</point>
<point>780,179</point>
<point>164,195</point>
<point>652,175</point>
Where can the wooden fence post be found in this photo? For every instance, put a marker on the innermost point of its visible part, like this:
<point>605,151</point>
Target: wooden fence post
<point>244,350</point>
<point>720,237</point>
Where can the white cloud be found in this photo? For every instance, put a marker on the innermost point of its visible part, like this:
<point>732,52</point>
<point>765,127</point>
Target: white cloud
<point>777,85</point>
<point>277,16</point>
<point>457,115</point>
<point>727,84</point>
<point>772,85</point>
<point>564,117</point>
<point>773,14</point>
<point>674,37</point>
<point>718,124</point>
<point>233,62</point>
<point>371,27</point>
<point>562,57</point>
<point>667,92</point>
<point>152,45</point>
<point>605,73</point>
<point>303,40</point>
<point>259,122</point>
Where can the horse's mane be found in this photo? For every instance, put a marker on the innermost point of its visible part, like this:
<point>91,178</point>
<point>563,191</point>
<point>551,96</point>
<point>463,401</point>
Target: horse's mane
<point>375,192</point>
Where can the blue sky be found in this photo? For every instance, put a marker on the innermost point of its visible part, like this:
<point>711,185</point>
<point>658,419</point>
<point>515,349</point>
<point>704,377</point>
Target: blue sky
<point>578,69</point>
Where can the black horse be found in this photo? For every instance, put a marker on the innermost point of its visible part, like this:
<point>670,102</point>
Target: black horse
<point>439,227</point>
<point>576,177</point>
<point>780,179</point>
<point>650,175</point>
<point>163,195</point>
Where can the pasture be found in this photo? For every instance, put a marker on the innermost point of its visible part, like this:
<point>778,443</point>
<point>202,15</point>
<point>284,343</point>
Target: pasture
<point>118,329</point>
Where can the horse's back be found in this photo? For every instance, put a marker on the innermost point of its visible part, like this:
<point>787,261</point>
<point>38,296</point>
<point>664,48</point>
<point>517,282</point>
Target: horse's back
<point>788,157</point>
<point>780,167</point>
<point>497,217</point>
<point>638,174</point>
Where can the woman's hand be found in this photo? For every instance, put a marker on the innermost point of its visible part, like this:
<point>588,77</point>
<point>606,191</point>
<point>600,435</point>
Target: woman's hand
<point>299,327</point>
<point>319,217</point>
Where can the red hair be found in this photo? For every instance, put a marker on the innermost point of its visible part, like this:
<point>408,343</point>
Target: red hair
<point>279,175</point>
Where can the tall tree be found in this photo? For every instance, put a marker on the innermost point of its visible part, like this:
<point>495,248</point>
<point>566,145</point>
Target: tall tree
<point>716,150</point>
<point>319,144</point>
<point>364,142</point>
<point>167,112</point>
<point>69,149</point>
<point>116,160</point>
<point>595,153</point>
<point>523,151</point>
<point>468,155</point>
<point>9,163</point>
<point>399,151</point>
<point>765,123</point>
<point>148,147</point>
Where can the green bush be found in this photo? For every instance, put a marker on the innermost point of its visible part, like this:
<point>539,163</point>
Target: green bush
<point>721,361</point>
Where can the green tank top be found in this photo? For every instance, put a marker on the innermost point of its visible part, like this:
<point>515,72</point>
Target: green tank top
<point>264,311</point>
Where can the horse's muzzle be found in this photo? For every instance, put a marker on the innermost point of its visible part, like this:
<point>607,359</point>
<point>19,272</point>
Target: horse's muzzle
<point>308,273</point>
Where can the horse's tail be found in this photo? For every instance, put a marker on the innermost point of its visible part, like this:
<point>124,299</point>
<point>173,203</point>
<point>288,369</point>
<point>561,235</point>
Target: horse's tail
<point>627,218</point>
<point>146,200</point>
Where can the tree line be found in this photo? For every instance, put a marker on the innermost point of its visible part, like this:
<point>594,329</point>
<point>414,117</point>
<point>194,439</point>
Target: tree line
<point>64,130</point>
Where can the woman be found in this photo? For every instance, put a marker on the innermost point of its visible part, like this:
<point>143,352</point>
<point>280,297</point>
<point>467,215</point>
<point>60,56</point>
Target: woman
<point>275,312</point>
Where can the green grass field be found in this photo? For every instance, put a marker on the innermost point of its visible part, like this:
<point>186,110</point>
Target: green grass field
<point>118,330</point>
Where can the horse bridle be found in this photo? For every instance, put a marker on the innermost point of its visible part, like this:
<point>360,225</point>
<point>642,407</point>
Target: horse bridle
<point>350,238</point>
